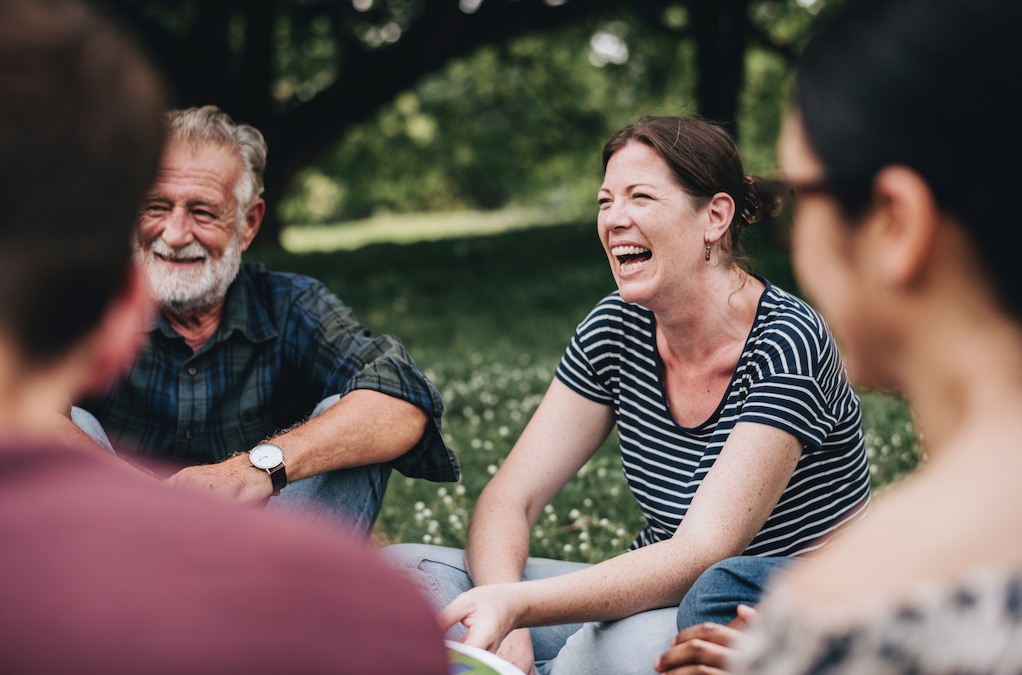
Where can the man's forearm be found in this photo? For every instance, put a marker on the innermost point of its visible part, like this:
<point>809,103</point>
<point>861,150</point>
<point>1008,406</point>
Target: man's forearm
<point>363,427</point>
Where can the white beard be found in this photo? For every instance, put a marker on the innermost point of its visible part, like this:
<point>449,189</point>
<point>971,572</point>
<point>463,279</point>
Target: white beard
<point>187,292</point>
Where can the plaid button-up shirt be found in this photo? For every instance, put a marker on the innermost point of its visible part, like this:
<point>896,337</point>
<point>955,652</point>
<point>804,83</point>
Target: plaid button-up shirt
<point>285,342</point>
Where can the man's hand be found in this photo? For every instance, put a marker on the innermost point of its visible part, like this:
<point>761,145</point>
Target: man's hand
<point>234,478</point>
<point>703,649</point>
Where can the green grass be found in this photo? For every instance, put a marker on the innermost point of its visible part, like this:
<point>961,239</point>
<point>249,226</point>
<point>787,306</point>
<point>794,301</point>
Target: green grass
<point>487,318</point>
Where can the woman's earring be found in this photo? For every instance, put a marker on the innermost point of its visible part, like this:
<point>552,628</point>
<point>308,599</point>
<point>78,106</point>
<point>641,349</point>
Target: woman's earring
<point>707,252</point>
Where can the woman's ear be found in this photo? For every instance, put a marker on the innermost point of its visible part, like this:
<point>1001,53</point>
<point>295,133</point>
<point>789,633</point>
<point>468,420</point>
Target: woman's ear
<point>720,211</point>
<point>120,334</point>
<point>905,223</point>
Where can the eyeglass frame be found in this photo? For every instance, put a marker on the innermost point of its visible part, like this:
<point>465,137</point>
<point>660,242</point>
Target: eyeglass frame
<point>810,187</point>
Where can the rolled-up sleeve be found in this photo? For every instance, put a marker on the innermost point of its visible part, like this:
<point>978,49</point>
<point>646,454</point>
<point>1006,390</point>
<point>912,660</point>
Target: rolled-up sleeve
<point>341,355</point>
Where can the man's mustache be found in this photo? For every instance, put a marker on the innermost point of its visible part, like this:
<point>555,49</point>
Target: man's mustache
<point>192,251</point>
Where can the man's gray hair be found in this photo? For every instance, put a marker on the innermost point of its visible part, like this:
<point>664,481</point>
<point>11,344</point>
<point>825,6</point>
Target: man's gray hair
<point>209,124</point>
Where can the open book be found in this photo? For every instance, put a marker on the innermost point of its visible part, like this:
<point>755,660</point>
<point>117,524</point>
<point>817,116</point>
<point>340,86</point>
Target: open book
<point>467,660</point>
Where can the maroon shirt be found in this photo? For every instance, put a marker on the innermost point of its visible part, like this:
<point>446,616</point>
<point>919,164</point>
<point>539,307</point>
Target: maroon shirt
<point>103,571</point>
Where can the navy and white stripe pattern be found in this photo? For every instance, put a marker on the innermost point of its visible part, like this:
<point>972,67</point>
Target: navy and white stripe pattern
<point>790,376</point>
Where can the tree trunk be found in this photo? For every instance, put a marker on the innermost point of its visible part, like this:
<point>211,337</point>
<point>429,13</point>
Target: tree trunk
<point>721,30</point>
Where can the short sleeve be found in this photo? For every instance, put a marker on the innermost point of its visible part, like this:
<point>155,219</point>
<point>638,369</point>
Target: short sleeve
<point>591,364</point>
<point>800,384</point>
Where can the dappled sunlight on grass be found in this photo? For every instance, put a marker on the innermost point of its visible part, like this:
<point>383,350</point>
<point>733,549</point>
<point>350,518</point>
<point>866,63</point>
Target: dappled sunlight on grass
<point>406,228</point>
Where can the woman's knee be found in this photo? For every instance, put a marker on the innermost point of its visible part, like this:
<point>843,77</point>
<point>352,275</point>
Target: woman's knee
<point>629,645</point>
<point>412,555</point>
<point>91,426</point>
<point>717,592</point>
<point>438,570</point>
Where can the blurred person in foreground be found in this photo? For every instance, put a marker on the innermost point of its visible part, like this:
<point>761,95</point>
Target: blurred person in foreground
<point>904,157</point>
<point>100,570</point>
<point>740,435</point>
<point>256,383</point>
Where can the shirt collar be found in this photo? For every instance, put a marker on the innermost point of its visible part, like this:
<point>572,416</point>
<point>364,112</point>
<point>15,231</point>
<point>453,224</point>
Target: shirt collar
<point>246,311</point>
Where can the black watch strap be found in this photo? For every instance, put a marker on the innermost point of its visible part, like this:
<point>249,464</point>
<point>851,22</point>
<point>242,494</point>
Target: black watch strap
<point>278,477</point>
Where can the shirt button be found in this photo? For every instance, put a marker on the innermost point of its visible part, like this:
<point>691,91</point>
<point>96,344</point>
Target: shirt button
<point>192,370</point>
<point>188,434</point>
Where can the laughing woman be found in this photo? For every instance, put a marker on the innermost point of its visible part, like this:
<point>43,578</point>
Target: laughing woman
<point>739,432</point>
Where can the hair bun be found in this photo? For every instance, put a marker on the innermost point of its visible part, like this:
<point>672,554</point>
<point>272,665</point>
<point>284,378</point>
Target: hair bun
<point>752,207</point>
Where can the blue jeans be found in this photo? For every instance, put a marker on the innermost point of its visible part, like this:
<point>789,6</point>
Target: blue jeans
<point>347,500</point>
<point>629,645</point>
<point>719,590</point>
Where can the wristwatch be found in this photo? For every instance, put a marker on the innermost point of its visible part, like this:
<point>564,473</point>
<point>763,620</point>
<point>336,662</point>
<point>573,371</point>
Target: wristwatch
<point>270,459</point>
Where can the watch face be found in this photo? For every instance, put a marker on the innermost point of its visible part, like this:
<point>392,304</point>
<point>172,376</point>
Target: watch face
<point>266,456</point>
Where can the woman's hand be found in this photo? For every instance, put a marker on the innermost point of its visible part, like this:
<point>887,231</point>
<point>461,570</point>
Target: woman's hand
<point>703,649</point>
<point>517,649</point>
<point>489,612</point>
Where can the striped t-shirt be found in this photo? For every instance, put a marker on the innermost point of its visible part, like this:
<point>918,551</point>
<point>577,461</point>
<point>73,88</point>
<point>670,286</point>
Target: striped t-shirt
<point>790,376</point>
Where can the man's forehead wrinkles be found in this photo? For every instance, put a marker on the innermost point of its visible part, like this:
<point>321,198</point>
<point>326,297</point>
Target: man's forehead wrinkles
<point>208,165</point>
<point>188,187</point>
<point>192,176</point>
<point>188,197</point>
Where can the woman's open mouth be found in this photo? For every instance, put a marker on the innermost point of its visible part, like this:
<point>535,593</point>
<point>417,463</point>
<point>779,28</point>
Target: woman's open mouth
<point>631,258</point>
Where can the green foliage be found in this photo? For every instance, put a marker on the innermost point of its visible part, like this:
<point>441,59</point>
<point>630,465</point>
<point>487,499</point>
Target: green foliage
<point>484,131</point>
<point>892,440</point>
<point>305,58</point>
<point>523,123</point>
<point>760,115</point>
<point>487,318</point>
<point>373,106</point>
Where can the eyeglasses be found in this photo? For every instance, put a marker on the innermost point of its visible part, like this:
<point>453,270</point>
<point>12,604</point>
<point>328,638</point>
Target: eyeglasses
<point>793,189</point>
<point>787,194</point>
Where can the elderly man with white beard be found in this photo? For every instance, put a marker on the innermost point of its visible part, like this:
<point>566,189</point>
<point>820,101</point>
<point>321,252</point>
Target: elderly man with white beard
<point>257,383</point>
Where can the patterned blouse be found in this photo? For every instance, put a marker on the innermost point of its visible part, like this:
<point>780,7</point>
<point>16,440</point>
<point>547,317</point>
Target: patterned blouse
<point>972,626</point>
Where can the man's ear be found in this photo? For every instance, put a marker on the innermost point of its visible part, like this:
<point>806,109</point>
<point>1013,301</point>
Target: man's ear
<point>120,334</point>
<point>905,227</point>
<point>720,211</point>
<point>253,219</point>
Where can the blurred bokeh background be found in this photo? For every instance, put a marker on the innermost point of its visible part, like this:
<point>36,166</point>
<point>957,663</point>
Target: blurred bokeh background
<point>436,163</point>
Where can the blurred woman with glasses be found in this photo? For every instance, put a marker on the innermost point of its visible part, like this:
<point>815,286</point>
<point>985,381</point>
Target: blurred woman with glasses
<point>900,117</point>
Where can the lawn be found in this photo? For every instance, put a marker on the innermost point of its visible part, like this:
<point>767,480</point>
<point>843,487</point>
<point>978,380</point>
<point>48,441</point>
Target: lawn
<point>487,317</point>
